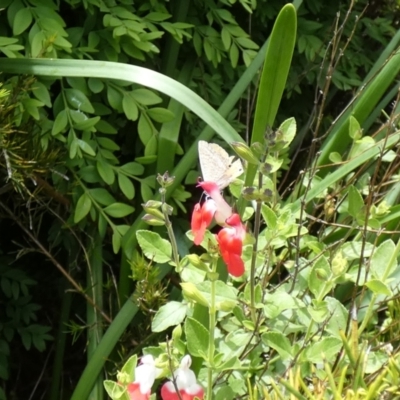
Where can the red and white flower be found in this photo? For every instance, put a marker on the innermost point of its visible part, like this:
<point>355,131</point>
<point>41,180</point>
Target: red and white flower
<point>230,238</point>
<point>145,375</point>
<point>186,383</point>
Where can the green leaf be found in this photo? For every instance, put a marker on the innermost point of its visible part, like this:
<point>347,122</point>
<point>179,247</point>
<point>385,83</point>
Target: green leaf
<point>146,97</point>
<point>356,203</point>
<point>78,100</point>
<point>85,147</point>
<point>146,192</point>
<point>280,343</point>
<point>197,337</point>
<point>154,247</point>
<point>95,85</point>
<point>226,38</point>
<point>171,314</point>
<point>354,128</point>
<point>129,367</point>
<point>41,92</point>
<point>105,171</point>
<point>118,210</point>
<point>145,128</point>
<point>130,107</point>
<point>126,186</point>
<point>32,106</point>
<point>225,298</point>
<point>160,114</point>
<point>324,350</point>
<point>102,226</point>
<point>318,280</point>
<point>273,79</point>
<point>82,207</point>
<point>60,123</point>
<point>102,196</point>
<point>114,97</point>
<point>378,287</point>
<point>37,44</point>
<point>381,263</point>
<point>116,241</point>
<point>108,144</point>
<point>132,169</point>
<point>114,390</point>
<point>22,20</point>
<point>105,127</point>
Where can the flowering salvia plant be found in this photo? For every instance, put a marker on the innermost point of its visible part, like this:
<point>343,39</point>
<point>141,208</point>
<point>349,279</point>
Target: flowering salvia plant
<point>258,310</point>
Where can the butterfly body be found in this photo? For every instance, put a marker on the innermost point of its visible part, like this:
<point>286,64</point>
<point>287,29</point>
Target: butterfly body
<point>216,164</point>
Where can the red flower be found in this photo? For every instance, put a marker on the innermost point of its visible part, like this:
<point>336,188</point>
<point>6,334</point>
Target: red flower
<point>186,383</point>
<point>134,392</point>
<point>201,218</point>
<point>230,240</point>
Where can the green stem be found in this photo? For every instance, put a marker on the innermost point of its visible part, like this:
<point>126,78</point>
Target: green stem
<point>257,220</point>
<point>211,344</point>
<point>170,231</point>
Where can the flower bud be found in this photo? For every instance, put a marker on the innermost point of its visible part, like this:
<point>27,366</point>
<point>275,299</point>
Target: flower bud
<point>166,208</point>
<point>165,180</point>
<point>123,377</point>
<point>339,264</point>
<point>250,193</point>
<point>258,149</point>
<point>152,207</point>
<point>152,220</point>
<point>195,260</point>
<point>244,152</point>
<point>191,292</point>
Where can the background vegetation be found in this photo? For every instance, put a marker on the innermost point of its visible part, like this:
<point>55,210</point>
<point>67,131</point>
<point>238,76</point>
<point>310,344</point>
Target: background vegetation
<point>80,155</point>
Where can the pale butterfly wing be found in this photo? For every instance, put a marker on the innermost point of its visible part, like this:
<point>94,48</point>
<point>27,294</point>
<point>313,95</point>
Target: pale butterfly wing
<point>216,164</point>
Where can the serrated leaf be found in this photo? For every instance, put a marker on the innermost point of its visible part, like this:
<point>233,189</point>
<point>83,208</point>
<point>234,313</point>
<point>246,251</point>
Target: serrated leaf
<point>171,314</point>
<point>278,342</point>
<point>82,207</point>
<point>197,337</point>
<point>118,210</point>
<point>154,247</point>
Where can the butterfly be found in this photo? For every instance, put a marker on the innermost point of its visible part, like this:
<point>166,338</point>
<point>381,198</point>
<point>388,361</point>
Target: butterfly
<point>216,164</point>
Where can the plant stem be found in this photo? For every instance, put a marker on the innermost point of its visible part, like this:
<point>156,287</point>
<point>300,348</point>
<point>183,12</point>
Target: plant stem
<point>211,345</point>
<point>170,231</point>
<point>257,220</point>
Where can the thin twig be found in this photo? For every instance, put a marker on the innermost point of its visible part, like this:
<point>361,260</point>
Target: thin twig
<point>55,262</point>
